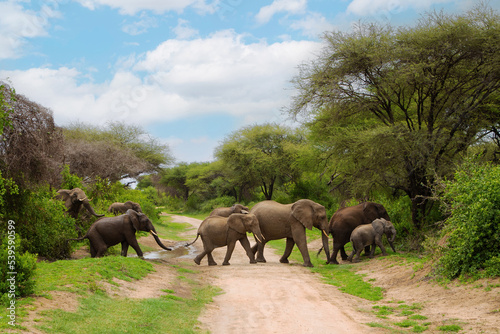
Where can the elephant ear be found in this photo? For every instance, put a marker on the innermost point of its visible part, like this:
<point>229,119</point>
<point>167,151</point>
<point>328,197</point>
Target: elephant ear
<point>235,222</point>
<point>65,195</point>
<point>378,226</point>
<point>134,218</point>
<point>303,212</point>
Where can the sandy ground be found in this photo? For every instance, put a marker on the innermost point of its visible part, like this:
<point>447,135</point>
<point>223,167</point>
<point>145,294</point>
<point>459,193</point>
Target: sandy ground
<point>287,298</point>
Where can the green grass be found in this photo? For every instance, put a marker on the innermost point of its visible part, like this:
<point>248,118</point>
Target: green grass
<point>166,229</point>
<point>175,312</point>
<point>77,275</point>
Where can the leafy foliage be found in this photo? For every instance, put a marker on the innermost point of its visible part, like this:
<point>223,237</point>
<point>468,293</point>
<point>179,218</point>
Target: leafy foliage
<point>262,155</point>
<point>396,107</point>
<point>13,259</point>
<point>473,229</point>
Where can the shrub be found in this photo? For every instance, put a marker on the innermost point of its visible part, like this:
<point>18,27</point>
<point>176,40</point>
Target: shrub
<point>473,228</point>
<point>12,259</point>
<point>42,224</point>
<point>223,201</point>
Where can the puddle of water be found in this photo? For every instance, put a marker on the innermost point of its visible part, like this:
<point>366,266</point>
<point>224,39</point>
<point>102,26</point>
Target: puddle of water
<point>179,250</point>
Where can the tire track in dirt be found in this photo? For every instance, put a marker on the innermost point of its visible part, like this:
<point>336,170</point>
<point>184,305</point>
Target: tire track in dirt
<point>274,298</point>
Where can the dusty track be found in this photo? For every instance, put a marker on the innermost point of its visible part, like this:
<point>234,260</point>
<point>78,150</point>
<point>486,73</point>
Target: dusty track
<point>274,298</point>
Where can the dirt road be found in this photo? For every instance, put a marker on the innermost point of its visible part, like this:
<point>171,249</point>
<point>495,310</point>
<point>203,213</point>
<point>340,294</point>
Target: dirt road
<point>275,298</point>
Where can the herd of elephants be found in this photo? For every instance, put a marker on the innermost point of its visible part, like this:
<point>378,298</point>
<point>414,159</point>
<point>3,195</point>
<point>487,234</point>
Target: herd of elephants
<point>363,225</point>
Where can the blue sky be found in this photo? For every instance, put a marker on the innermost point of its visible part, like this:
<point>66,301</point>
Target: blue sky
<point>190,72</point>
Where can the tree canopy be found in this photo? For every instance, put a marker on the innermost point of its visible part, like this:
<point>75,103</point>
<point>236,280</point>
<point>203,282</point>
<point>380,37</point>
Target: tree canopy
<point>397,106</point>
<point>262,155</point>
<point>115,151</point>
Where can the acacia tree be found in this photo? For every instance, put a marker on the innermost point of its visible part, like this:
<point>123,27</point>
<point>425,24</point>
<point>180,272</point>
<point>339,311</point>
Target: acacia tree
<point>115,152</point>
<point>398,107</point>
<point>30,141</point>
<point>261,155</point>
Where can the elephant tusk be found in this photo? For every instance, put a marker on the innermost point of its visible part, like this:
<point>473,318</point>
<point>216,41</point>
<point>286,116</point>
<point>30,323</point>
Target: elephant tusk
<point>152,232</point>
<point>324,232</point>
<point>256,237</point>
<point>82,199</point>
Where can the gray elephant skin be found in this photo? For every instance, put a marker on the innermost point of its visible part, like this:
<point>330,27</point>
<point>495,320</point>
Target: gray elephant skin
<point>120,208</point>
<point>110,231</point>
<point>345,220</point>
<point>371,235</point>
<point>278,221</point>
<point>74,199</point>
<point>216,231</point>
<point>227,211</point>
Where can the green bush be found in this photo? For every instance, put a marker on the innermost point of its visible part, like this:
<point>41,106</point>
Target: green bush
<point>43,225</point>
<point>14,260</point>
<point>473,228</point>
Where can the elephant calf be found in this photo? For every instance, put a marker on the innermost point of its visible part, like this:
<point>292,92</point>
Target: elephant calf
<point>371,234</point>
<point>120,208</point>
<point>110,231</point>
<point>227,211</point>
<point>216,231</point>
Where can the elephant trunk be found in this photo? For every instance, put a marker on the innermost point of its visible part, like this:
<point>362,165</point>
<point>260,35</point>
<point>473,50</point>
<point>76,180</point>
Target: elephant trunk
<point>153,233</point>
<point>391,240</point>
<point>89,208</point>
<point>324,238</point>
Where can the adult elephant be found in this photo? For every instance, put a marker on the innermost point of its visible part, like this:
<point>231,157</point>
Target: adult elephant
<point>110,231</point>
<point>278,221</point>
<point>217,231</point>
<point>120,208</point>
<point>345,220</point>
<point>227,211</point>
<point>74,199</point>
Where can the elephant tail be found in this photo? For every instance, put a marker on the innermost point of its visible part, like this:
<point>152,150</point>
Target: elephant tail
<point>189,244</point>
<point>319,252</point>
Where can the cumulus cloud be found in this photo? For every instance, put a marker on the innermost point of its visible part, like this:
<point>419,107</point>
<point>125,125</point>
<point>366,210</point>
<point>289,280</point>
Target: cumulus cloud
<point>184,31</point>
<point>131,7</point>
<point>266,13</point>
<point>18,24</point>
<point>219,74</point>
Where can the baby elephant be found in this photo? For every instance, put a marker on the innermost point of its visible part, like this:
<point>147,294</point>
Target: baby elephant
<point>120,208</point>
<point>371,234</point>
<point>221,231</point>
<point>227,211</point>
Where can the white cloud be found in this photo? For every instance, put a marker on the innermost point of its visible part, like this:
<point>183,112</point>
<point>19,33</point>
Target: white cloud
<point>141,26</point>
<point>18,24</point>
<point>220,74</point>
<point>289,6</point>
<point>313,25</point>
<point>131,7</point>
<point>374,7</point>
<point>184,31</point>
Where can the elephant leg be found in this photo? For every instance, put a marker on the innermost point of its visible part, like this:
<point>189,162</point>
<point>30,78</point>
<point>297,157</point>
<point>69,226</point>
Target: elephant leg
<point>93,251</point>
<point>343,254</point>
<point>229,252</point>
<point>299,237</point>
<point>382,248</point>
<point>358,255</point>
<point>367,250</point>
<point>97,245</point>
<point>200,256</point>
<point>288,250</point>
<point>333,258</point>
<point>135,245</point>
<point>246,246</point>
<point>211,261</point>
<point>260,252</point>
<point>124,248</point>
<point>349,258</point>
